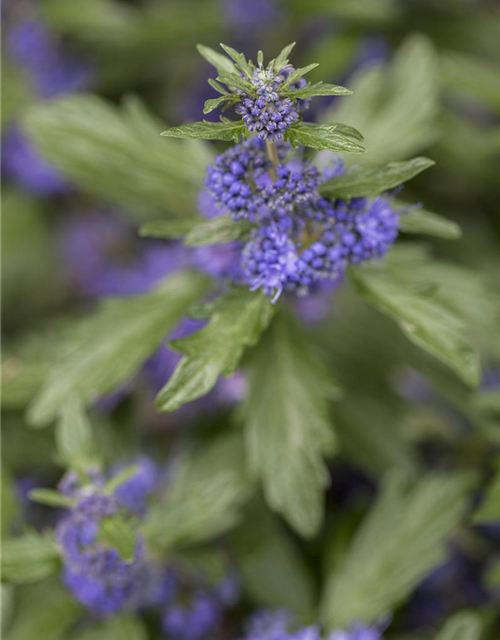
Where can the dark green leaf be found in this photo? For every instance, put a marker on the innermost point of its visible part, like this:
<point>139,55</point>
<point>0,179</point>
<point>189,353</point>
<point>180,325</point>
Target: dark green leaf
<point>282,58</point>
<point>400,541</point>
<point>117,533</point>
<point>169,228</point>
<point>218,230</point>
<point>426,222</point>
<point>74,438</point>
<point>208,131</point>
<point>117,154</point>
<point>105,349</point>
<point>205,497</point>
<point>213,103</point>
<point>363,181</point>
<point>220,62</point>
<point>287,427</point>
<point>321,136</point>
<point>51,498</point>
<point>318,89</point>
<point>273,571</point>
<point>489,509</point>
<point>422,317</point>
<point>29,558</point>
<point>216,349</point>
<point>462,626</point>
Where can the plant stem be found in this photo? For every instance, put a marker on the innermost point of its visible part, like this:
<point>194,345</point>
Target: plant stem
<point>273,157</point>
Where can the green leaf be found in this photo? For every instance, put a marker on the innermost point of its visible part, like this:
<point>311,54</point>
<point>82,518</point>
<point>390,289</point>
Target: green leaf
<point>489,509</point>
<point>472,77</point>
<point>426,222</point>
<point>239,58</point>
<point>217,231</point>
<point>321,136</point>
<point>213,103</point>
<point>105,349</point>
<point>345,130</point>
<point>169,228</point>
<point>74,438</point>
<point>218,87</point>
<point>116,154</point>
<point>29,558</point>
<point>217,348</point>
<point>318,89</point>
<point>287,427</point>
<point>297,74</point>
<point>217,60</point>
<point>234,81</point>
<point>282,59</point>
<point>51,498</point>
<point>205,497</point>
<point>117,533</point>
<point>367,181</point>
<point>121,477</point>
<point>208,131</point>
<point>462,626</point>
<point>43,610</point>
<point>273,571</point>
<point>117,628</point>
<point>399,542</point>
<point>383,104</point>
<point>422,317</point>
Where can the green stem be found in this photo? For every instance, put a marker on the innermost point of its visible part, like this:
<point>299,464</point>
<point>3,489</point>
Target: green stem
<point>272,152</point>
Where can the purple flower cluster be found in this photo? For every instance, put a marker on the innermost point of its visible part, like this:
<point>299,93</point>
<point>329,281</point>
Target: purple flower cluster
<point>300,239</point>
<point>282,625</point>
<point>94,572</point>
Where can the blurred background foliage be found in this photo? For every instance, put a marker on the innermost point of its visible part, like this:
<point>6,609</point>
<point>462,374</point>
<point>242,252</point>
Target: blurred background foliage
<point>425,75</point>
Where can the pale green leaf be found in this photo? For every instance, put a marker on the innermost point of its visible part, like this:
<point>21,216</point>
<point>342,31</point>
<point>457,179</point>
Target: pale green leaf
<point>207,131</point>
<point>218,230</point>
<point>51,498</point>
<point>239,59</point>
<point>422,317</point>
<point>217,348</point>
<point>367,181</point>
<point>399,542</point>
<point>205,497</point>
<point>29,558</point>
<point>428,223</point>
<point>321,137</point>
<point>282,58</point>
<point>117,533</point>
<point>74,438</point>
<point>462,626</point>
<point>106,348</point>
<point>217,60</point>
<point>318,89</point>
<point>169,228</point>
<point>287,427</point>
<point>117,154</point>
<point>298,73</point>
<point>213,103</point>
<point>120,478</point>
<point>234,81</point>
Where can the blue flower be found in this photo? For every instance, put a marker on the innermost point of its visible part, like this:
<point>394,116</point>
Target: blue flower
<point>134,492</point>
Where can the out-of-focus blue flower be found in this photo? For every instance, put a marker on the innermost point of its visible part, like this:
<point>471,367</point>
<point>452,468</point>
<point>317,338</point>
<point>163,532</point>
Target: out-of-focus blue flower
<point>23,164</point>
<point>134,492</point>
<point>244,17</point>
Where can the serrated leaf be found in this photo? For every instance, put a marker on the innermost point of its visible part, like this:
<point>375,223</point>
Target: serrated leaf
<point>117,533</point>
<point>428,223</point>
<point>287,427</point>
<point>318,89</point>
<point>205,497</point>
<point>297,74</point>
<point>213,103</point>
<point>462,626</point>
<point>119,156</point>
<point>273,571</point>
<point>234,81</point>
<point>239,59</point>
<point>208,131</point>
<point>367,181</point>
<point>216,349</point>
<point>105,349</point>
<point>422,317</point>
<point>74,438</point>
<point>282,58</point>
<point>218,230</point>
<point>489,508</point>
<point>29,558</point>
<point>51,498</point>
<point>218,87</point>
<point>401,539</point>
<point>345,130</point>
<point>168,228</point>
<point>117,628</point>
<point>320,136</point>
<point>216,59</point>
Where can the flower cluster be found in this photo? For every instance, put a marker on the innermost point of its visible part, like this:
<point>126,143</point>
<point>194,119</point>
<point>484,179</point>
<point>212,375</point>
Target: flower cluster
<point>93,571</point>
<point>282,625</point>
<point>301,238</point>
